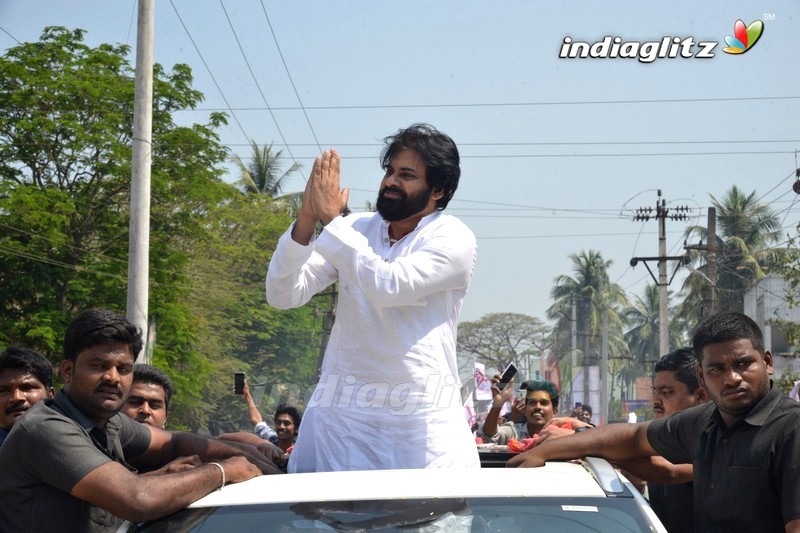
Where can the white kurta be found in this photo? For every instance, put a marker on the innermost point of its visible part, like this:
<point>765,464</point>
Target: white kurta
<point>389,393</point>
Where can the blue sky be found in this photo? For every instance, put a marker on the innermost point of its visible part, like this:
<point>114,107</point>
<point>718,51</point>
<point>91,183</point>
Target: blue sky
<point>556,153</point>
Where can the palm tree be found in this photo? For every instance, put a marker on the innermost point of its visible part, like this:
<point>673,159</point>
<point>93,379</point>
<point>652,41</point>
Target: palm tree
<point>746,233</point>
<point>642,317</point>
<point>593,294</point>
<point>262,175</point>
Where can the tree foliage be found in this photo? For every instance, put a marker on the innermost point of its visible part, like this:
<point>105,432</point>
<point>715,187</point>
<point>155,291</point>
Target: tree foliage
<point>499,338</point>
<point>593,294</point>
<point>747,232</point>
<point>65,151</point>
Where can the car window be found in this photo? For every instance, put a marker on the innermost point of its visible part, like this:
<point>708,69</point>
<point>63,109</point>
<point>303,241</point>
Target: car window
<point>469,515</point>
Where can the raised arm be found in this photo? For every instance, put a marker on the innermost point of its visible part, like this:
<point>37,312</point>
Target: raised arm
<point>498,399</point>
<point>252,409</point>
<point>614,442</point>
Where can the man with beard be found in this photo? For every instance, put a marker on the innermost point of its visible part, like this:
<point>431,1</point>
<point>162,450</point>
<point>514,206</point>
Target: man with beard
<point>70,463</point>
<point>744,444</point>
<point>25,378</point>
<point>389,393</point>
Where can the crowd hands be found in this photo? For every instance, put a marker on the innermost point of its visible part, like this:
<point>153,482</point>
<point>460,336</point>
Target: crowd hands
<point>532,419</point>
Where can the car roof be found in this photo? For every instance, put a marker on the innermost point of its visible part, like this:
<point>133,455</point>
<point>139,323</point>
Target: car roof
<point>591,478</point>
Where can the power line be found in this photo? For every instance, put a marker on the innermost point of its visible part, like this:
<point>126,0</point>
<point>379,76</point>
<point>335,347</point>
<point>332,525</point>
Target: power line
<point>7,33</point>
<point>286,68</point>
<point>255,80</point>
<point>463,144</point>
<point>208,69</point>
<point>524,104</point>
<point>792,173</point>
<point>573,155</point>
<point>559,236</point>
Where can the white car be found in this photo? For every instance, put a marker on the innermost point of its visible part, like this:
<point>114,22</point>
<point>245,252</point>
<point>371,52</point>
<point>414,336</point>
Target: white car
<point>561,496</point>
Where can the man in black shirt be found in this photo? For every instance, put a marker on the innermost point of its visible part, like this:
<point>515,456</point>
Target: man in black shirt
<point>745,446</point>
<point>70,463</point>
<point>675,388</point>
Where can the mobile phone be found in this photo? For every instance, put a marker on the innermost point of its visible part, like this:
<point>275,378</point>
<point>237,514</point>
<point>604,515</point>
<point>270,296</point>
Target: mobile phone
<point>238,383</point>
<point>508,373</point>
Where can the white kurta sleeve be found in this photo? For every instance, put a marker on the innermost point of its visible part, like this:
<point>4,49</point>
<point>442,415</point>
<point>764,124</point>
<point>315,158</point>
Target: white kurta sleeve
<point>443,261</point>
<point>296,273</point>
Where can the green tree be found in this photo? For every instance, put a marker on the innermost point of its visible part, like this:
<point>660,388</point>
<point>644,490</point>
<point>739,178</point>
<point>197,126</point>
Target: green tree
<point>499,338</point>
<point>642,318</point>
<point>263,173</point>
<point>747,232</point>
<point>65,147</point>
<point>593,294</point>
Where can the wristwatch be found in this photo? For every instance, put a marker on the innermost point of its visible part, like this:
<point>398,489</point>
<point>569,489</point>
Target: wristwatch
<point>583,428</point>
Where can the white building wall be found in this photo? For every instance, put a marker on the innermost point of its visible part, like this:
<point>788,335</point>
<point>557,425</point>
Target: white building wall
<point>764,302</point>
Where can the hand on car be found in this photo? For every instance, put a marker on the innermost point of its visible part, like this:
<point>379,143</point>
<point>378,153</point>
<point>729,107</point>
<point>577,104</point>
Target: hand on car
<point>238,469</point>
<point>529,459</point>
<point>177,465</point>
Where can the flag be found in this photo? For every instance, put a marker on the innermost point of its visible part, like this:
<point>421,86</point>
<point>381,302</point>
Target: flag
<point>469,411</point>
<point>794,394</point>
<point>483,387</point>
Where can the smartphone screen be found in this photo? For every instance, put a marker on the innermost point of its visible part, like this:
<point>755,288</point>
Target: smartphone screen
<point>238,383</point>
<point>508,373</point>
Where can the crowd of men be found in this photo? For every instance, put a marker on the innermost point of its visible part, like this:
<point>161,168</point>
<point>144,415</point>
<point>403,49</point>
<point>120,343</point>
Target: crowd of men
<point>731,463</point>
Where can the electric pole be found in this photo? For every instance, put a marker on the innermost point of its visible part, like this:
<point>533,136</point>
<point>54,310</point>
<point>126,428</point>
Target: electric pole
<point>710,285</point>
<point>662,213</point>
<point>139,230</point>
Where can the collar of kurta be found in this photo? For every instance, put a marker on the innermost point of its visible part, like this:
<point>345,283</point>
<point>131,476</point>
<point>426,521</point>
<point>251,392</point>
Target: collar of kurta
<point>424,221</point>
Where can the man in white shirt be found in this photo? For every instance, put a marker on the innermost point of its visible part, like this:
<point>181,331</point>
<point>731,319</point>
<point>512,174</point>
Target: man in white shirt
<point>388,396</point>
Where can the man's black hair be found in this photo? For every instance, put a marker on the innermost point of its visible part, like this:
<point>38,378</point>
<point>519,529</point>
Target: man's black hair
<point>683,362</point>
<point>29,361</point>
<point>144,373</point>
<point>100,326</point>
<point>284,409</point>
<point>726,327</point>
<point>544,385</point>
<point>437,151</point>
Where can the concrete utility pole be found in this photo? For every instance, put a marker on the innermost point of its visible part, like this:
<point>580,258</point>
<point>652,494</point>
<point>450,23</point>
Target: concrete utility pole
<point>662,213</point>
<point>139,231</point>
<point>604,371</point>
<point>663,295</point>
<point>710,287</point>
<point>708,307</point>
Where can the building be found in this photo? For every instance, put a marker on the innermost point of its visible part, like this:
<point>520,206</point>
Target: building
<point>765,303</point>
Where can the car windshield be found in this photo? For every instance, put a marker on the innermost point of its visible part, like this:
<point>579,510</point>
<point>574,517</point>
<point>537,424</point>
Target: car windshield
<point>467,515</point>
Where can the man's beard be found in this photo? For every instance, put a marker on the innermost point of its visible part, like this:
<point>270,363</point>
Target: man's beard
<point>394,209</point>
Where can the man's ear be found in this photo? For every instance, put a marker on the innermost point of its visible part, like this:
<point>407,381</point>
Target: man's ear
<point>768,362</point>
<point>700,377</point>
<point>702,394</point>
<point>67,366</point>
<point>437,194</point>
<point>51,393</point>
